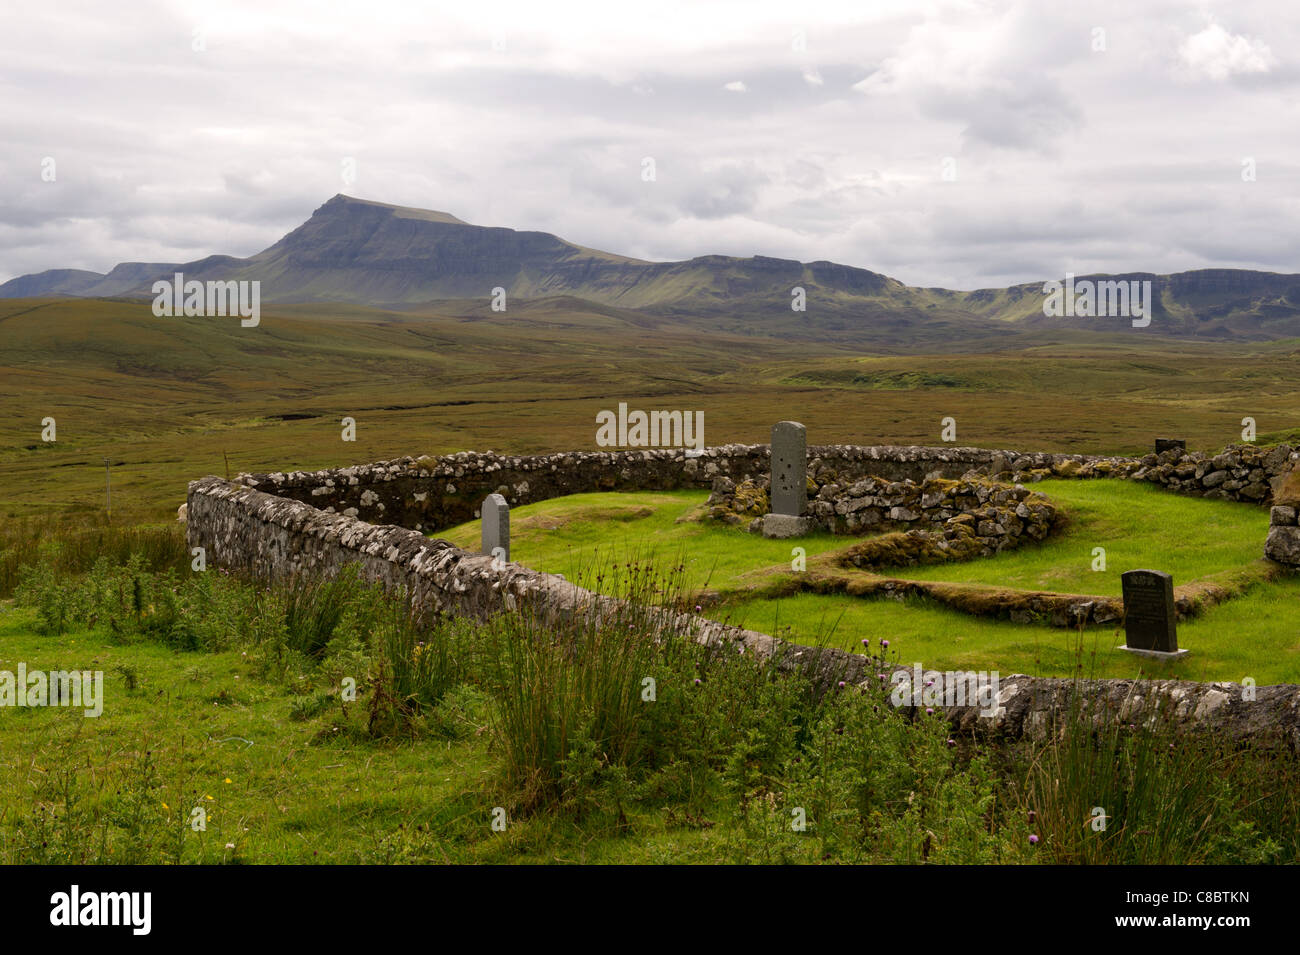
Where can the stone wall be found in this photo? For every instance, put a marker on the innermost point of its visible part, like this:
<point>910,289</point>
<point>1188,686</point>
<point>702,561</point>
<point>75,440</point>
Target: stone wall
<point>1283,541</point>
<point>1241,472</point>
<point>432,493</point>
<point>275,537</point>
<point>940,519</point>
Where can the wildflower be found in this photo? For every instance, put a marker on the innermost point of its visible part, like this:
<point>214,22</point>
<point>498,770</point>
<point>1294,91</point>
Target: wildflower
<point>1033,840</point>
<point>884,644</point>
<point>227,779</point>
<point>698,608</point>
<point>698,681</point>
<point>929,709</point>
<point>1032,815</point>
<point>952,742</point>
<point>841,684</point>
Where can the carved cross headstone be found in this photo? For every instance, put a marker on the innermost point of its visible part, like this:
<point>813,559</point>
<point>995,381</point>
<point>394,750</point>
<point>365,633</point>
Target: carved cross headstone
<point>789,468</point>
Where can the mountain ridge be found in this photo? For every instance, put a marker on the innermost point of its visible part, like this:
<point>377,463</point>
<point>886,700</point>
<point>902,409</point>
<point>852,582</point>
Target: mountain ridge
<point>365,252</point>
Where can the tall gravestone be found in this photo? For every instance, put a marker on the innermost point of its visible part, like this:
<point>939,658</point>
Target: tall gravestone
<point>496,527</point>
<point>789,481</point>
<point>1150,620</point>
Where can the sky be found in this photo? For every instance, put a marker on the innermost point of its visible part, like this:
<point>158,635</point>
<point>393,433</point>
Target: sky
<point>953,144</point>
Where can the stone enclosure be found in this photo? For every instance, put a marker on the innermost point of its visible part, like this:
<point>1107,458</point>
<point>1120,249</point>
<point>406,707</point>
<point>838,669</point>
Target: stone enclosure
<point>376,516</point>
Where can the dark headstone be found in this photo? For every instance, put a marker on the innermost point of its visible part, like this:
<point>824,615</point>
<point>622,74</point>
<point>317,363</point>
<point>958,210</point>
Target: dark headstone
<point>1149,621</point>
<point>1170,444</point>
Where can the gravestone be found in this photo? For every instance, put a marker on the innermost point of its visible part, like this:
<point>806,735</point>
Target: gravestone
<point>496,527</point>
<point>1170,444</point>
<point>1150,622</point>
<point>789,481</point>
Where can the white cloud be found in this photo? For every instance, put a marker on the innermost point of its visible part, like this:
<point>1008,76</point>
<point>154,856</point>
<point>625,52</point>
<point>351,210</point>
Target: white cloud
<point>1109,162</point>
<point>736,86</point>
<point>1219,54</point>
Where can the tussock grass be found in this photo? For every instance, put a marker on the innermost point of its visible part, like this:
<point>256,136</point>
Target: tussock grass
<point>547,728</point>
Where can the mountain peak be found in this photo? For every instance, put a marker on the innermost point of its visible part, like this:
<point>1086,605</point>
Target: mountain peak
<point>345,203</point>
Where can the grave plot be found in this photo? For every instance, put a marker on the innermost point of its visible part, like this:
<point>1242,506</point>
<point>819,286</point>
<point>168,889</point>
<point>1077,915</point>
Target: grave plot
<point>745,579</point>
<point>980,513</point>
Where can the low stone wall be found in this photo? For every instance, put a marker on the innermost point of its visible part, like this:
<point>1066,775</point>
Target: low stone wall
<point>269,536</point>
<point>941,519</point>
<point>1241,472</point>
<point>1283,541</point>
<point>432,493</point>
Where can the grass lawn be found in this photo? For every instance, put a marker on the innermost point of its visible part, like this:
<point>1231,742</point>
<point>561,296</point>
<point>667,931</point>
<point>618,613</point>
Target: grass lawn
<point>584,534</point>
<point>1256,635</point>
<point>1138,525</point>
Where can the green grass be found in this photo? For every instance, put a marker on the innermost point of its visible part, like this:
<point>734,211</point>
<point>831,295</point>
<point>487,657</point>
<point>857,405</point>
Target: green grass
<point>170,400</point>
<point>554,727</point>
<point>583,534</point>
<point>1139,526</point>
<point>1256,634</point>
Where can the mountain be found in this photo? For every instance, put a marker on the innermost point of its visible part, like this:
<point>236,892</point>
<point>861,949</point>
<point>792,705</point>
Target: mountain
<point>370,253</point>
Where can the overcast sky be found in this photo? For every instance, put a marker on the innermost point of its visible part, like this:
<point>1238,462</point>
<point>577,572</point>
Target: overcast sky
<point>1108,136</point>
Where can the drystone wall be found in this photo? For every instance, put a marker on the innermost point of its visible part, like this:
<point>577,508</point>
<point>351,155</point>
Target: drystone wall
<point>1242,472</point>
<point>273,536</point>
<point>940,519</point>
<point>430,494</point>
<point>433,493</point>
<point>1283,541</point>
